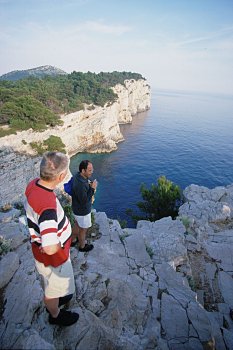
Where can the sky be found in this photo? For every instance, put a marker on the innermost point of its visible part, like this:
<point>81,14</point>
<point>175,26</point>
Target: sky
<point>175,44</point>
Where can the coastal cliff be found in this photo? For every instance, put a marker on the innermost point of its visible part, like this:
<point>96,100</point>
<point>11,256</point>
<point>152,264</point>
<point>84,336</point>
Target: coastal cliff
<point>94,129</point>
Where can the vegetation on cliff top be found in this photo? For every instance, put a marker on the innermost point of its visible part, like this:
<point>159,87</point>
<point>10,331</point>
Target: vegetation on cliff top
<point>53,143</point>
<point>37,103</point>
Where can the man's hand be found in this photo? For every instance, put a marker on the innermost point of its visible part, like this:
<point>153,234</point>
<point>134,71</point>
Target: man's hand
<point>94,184</point>
<point>51,249</point>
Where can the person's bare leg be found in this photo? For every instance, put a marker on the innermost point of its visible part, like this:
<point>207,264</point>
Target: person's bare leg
<point>75,231</point>
<point>82,237</point>
<point>52,306</point>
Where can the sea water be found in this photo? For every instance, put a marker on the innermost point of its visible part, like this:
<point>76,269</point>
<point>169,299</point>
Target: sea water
<point>188,137</point>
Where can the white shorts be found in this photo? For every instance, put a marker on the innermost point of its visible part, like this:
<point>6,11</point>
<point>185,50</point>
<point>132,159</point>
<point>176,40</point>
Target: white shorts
<point>57,281</point>
<point>83,221</point>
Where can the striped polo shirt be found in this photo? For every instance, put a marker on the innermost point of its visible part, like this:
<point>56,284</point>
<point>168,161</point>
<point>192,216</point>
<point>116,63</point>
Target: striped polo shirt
<point>47,223</point>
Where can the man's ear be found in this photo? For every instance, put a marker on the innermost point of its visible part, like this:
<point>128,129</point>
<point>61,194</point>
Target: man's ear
<point>62,176</point>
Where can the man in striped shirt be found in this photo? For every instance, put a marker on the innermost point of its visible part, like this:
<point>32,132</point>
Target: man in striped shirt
<point>50,233</point>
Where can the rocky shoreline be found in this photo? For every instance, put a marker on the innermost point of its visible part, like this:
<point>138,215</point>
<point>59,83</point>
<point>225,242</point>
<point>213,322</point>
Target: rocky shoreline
<point>166,285</point>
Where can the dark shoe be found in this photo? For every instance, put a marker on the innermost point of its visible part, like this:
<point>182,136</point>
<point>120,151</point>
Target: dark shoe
<point>86,248</point>
<point>64,300</point>
<point>231,314</point>
<point>73,243</point>
<point>64,318</point>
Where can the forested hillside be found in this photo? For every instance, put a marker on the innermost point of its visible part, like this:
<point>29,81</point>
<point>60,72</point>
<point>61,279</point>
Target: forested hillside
<point>37,103</point>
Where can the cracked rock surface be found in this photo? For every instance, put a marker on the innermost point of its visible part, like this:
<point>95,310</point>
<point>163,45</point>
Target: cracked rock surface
<point>166,285</point>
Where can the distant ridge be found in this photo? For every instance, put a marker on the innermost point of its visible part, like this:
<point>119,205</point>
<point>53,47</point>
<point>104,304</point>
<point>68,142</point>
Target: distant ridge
<point>37,72</point>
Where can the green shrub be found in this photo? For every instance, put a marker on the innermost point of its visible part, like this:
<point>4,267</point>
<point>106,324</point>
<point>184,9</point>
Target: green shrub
<point>185,221</point>
<point>92,218</point>
<point>5,245</point>
<point>124,235</point>
<point>123,223</point>
<point>53,143</point>
<point>27,112</point>
<point>192,283</point>
<point>149,251</point>
<point>69,213</point>
<point>38,147</point>
<point>8,131</point>
<point>159,201</point>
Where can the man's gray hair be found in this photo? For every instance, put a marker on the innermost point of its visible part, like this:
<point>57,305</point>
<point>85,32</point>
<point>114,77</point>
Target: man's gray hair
<point>52,164</point>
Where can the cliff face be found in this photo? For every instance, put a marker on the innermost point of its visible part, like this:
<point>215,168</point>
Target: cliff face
<point>92,130</point>
<point>133,98</point>
<point>15,173</point>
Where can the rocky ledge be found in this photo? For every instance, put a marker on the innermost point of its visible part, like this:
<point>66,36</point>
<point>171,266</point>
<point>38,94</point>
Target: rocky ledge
<point>166,285</point>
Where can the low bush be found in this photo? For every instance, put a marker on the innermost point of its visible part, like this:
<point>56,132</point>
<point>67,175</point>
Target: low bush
<point>161,200</point>
<point>53,143</point>
<point>5,245</point>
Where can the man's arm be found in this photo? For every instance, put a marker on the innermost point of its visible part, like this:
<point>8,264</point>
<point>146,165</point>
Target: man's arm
<point>48,230</point>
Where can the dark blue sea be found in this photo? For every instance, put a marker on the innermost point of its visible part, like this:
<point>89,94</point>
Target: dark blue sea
<point>188,137</point>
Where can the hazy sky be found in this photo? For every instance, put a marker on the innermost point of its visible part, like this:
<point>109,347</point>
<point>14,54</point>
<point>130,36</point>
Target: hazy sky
<point>175,44</point>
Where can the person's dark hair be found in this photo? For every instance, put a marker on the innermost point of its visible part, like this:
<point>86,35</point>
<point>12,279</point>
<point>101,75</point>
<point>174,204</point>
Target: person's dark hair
<point>52,164</point>
<point>83,165</point>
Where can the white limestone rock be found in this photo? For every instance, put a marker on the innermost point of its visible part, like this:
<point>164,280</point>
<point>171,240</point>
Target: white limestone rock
<point>30,339</point>
<point>222,253</point>
<point>136,250</point>
<point>23,297</point>
<point>174,319</point>
<point>228,337</point>
<point>216,331</point>
<point>195,193</point>
<point>11,231</point>
<point>8,216</point>
<point>165,238</point>
<point>226,287</point>
<point>18,169</point>
<point>198,317</point>
<point>174,284</point>
<point>9,264</point>
<point>206,206</point>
